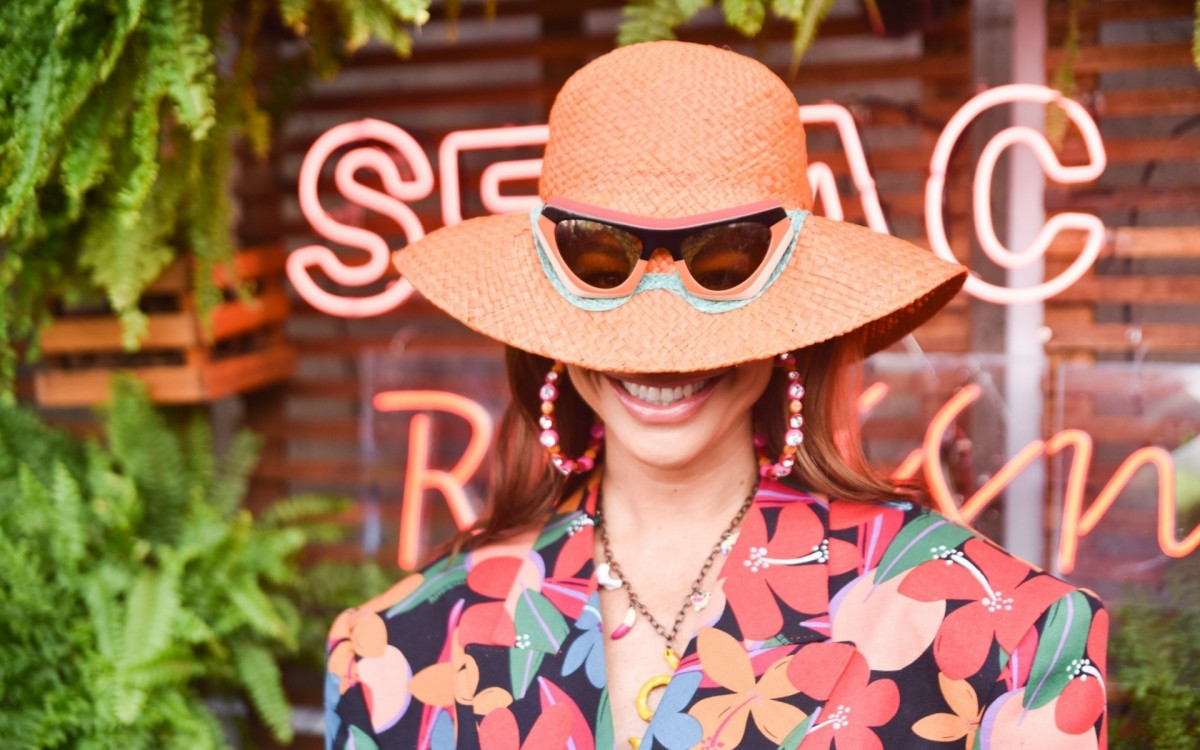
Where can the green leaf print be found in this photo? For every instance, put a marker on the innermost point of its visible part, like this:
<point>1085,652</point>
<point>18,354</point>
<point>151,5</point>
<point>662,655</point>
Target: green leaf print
<point>558,527</point>
<point>439,579</point>
<point>919,541</point>
<point>605,740</point>
<point>1060,650</point>
<point>539,624</point>
<point>523,665</point>
<point>792,741</point>
<point>362,740</point>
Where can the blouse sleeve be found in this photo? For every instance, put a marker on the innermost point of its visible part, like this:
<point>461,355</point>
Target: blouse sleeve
<point>347,720</point>
<point>1053,693</point>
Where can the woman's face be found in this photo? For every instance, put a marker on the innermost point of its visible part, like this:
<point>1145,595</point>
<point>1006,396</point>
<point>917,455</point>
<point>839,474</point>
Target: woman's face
<point>670,420</point>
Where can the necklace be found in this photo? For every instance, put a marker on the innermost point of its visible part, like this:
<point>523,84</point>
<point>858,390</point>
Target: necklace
<point>609,576</point>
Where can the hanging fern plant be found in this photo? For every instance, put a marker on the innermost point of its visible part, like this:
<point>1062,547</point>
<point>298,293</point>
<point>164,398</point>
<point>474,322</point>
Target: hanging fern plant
<point>117,130</point>
<point>648,20</point>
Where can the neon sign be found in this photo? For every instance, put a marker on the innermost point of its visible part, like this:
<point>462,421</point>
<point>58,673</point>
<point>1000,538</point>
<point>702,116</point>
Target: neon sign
<point>1076,522</point>
<point>935,189</point>
<point>419,476</point>
<point>398,192</point>
<point>1078,519</point>
<point>391,203</point>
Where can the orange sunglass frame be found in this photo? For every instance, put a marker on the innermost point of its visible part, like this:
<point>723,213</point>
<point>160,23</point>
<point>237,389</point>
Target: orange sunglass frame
<point>667,234</point>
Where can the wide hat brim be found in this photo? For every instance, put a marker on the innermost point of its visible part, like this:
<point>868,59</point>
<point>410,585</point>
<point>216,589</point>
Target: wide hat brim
<point>842,278</point>
<point>668,130</point>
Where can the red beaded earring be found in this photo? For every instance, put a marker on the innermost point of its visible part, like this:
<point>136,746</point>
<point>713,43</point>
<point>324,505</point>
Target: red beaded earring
<point>549,436</point>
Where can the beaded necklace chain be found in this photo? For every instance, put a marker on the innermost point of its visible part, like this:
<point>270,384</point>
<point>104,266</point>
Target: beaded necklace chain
<point>610,577</point>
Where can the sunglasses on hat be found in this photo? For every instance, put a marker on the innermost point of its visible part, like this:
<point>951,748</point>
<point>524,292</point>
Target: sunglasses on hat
<point>721,255</point>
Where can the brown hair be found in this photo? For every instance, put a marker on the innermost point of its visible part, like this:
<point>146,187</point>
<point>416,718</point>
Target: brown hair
<point>525,487</point>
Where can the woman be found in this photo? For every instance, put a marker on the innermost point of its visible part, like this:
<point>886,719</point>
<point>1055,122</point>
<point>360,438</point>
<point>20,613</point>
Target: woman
<point>685,547</point>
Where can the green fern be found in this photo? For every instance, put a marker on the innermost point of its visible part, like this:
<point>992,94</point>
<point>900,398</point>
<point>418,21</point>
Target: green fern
<point>259,672</point>
<point>649,20</point>
<point>117,622</point>
<point>117,137</point>
<point>806,15</point>
<point>746,16</point>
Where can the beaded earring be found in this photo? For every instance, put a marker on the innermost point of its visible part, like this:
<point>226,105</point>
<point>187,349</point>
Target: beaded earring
<point>549,436</point>
<point>794,435</point>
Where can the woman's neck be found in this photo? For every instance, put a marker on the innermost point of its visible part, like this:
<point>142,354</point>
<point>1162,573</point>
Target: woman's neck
<point>642,496</point>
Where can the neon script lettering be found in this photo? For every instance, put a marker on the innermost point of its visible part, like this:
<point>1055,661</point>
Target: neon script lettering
<point>1078,518</point>
<point>1077,521</point>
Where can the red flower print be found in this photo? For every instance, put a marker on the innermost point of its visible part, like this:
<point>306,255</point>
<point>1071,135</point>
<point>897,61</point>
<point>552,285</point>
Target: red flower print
<point>838,674</point>
<point>1006,602</point>
<point>793,565</point>
<point>564,586</point>
<point>877,526</point>
<point>500,572</point>
<point>499,731</point>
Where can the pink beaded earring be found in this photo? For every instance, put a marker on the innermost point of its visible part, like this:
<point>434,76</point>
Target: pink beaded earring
<point>794,436</point>
<point>549,436</point>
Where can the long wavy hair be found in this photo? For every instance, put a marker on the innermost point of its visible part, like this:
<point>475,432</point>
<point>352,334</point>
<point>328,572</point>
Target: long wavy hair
<point>525,487</point>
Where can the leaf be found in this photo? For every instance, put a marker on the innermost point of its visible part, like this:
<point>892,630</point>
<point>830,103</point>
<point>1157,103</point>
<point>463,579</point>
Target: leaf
<point>650,20</point>
<point>362,740</point>
<point>259,675</point>
<point>537,618</point>
<point>1063,642</point>
<point>150,611</point>
<point>605,740</point>
<point>523,664</point>
<point>745,15</point>
<point>436,583</point>
<point>917,542</point>
<point>302,507</point>
<point>806,14</point>
<point>794,737</point>
<point>556,529</point>
<point>70,537</point>
<point>254,609</point>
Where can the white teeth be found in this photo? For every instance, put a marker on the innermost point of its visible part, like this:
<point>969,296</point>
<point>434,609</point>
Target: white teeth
<point>662,396</point>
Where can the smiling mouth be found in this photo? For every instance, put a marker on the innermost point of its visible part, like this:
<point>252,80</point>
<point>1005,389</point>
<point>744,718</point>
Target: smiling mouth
<point>662,395</point>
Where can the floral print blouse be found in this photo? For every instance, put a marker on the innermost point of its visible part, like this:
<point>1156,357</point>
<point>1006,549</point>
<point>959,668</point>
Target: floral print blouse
<point>838,625</point>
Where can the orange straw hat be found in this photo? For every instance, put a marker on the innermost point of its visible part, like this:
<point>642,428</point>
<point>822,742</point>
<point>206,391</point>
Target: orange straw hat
<point>665,130</point>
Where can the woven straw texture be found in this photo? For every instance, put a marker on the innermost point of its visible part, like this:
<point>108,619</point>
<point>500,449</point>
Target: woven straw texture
<point>667,129</point>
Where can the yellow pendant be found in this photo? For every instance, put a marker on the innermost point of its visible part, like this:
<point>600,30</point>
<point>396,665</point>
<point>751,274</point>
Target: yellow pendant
<point>652,684</point>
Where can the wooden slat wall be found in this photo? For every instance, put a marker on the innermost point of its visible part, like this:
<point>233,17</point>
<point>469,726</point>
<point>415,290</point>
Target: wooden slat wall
<point>1140,303</point>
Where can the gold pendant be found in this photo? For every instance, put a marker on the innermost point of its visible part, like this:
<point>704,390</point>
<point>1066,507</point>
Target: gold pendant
<point>649,686</point>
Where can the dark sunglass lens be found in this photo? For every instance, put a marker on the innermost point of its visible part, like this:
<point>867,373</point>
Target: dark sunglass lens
<point>722,257</point>
<point>600,255</point>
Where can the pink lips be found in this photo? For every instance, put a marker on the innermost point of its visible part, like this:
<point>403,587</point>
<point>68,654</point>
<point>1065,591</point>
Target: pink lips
<point>674,412</point>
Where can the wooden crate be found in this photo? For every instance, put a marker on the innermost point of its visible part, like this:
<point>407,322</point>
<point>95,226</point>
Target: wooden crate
<point>180,358</point>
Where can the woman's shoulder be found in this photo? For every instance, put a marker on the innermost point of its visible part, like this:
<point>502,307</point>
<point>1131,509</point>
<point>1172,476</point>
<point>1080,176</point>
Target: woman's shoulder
<point>425,586</point>
<point>969,589</point>
<point>409,617</point>
<point>428,603</point>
